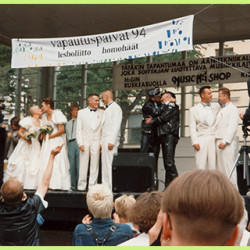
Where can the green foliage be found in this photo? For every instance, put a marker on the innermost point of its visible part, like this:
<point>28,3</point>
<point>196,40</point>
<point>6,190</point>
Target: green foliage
<point>7,81</point>
<point>69,82</point>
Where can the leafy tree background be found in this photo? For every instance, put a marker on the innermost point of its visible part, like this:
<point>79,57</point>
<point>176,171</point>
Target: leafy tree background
<point>69,81</point>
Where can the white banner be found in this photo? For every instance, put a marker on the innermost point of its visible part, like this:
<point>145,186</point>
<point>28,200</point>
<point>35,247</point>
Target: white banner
<point>210,70</point>
<point>166,37</point>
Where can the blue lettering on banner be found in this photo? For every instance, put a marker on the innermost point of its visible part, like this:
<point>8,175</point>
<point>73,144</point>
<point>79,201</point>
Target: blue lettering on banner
<point>175,30</point>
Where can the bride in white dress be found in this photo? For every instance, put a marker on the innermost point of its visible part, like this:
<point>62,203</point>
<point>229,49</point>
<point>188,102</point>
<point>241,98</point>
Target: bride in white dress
<point>24,161</point>
<point>60,179</point>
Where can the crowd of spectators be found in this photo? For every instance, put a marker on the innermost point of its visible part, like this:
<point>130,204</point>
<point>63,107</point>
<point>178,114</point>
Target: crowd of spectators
<point>200,207</point>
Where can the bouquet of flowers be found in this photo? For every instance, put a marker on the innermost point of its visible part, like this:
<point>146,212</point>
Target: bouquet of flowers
<point>47,129</point>
<point>28,135</point>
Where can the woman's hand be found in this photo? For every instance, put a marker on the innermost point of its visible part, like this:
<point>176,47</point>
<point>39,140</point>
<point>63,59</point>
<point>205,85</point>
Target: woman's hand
<point>28,141</point>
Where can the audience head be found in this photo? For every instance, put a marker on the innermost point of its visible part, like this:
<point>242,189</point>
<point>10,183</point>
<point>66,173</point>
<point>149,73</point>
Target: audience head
<point>107,96</point>
<point>143,214</point>
<point>224,95</point>
<point>12,191</point>
<point>100,201</point>
<point>47,103</point>
<point>93,100</point>
<point>206,94</point>
<point>122,206</point>
<point>201,207</point>
<point>14,122</point>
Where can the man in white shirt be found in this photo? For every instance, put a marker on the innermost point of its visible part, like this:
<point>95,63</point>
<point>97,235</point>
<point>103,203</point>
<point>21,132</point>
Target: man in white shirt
<point>88,137</point>
<point>225,133</point>
<point>202,119</point>
<point>111,126</point>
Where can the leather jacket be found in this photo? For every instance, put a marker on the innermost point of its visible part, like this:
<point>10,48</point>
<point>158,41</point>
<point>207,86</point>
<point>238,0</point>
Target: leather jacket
<point>149,110</point>
<point>168,121</point>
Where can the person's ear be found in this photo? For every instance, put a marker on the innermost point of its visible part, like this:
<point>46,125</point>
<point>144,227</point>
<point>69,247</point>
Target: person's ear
<point>24,196</point>
<point>166,231</point>
<point>234,237</point>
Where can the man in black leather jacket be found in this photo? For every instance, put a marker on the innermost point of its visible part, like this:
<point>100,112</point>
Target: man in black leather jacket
<point>167,125</point>
<point>150,109</point>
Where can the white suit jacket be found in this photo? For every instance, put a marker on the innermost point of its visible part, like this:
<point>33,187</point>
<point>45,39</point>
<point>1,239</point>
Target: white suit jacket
<point>86,131</point>
<point>227,123</point>
<point>198,124</point>
<point>111,123</point>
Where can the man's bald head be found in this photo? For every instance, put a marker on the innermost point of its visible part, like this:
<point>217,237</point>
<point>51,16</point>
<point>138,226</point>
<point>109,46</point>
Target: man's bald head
<point>109,93</point>
<point>12,191</point>
<point>107,96</point>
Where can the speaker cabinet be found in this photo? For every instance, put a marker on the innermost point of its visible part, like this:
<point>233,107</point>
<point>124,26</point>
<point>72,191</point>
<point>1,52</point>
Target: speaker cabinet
<point>133,172</point>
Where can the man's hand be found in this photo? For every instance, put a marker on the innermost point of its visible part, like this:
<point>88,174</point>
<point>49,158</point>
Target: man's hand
<point>110,146</point>
<point>172,99</point>
<point>86,219</point>
<point>9,134</point>
<point>82,148</point>
<point>196,147</point>
<point>222,145</point>
<point>155,230</point>
<point>241,116</point>
<point>57,150</point>
<point>148,120</point>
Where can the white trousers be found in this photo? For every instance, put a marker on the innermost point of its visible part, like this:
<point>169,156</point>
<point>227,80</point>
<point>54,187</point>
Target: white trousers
<point>226,158</point>
<point>91,152</point>
<point>205,158</point>
<point>107,160</point>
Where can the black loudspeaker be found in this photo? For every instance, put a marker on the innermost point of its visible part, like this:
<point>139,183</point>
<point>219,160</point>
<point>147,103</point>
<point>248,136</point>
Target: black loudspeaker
<point>133,172</point>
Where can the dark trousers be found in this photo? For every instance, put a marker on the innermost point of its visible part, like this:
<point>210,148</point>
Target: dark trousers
<point>74,161</point>
<point>145,142</point>
<point>168,143</point>
<point>150,144</point>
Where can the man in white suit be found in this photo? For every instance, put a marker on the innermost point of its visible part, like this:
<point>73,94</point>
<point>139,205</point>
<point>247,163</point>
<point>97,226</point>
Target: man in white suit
<point>225,133</point>
<point>111,126</point>
<point>202,119</point>
<point>88,137</point>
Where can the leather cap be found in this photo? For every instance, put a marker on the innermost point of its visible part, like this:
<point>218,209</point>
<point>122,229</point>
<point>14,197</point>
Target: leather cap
<point>154,92</point>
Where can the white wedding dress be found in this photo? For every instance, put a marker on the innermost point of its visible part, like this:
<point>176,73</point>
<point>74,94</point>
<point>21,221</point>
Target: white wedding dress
<point>24,161</point>
<point>60,178</point>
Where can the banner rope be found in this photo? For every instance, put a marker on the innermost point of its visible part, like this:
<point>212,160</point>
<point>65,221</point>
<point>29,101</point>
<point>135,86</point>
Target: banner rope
<point>5,36</point>
<point>203,9</point>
